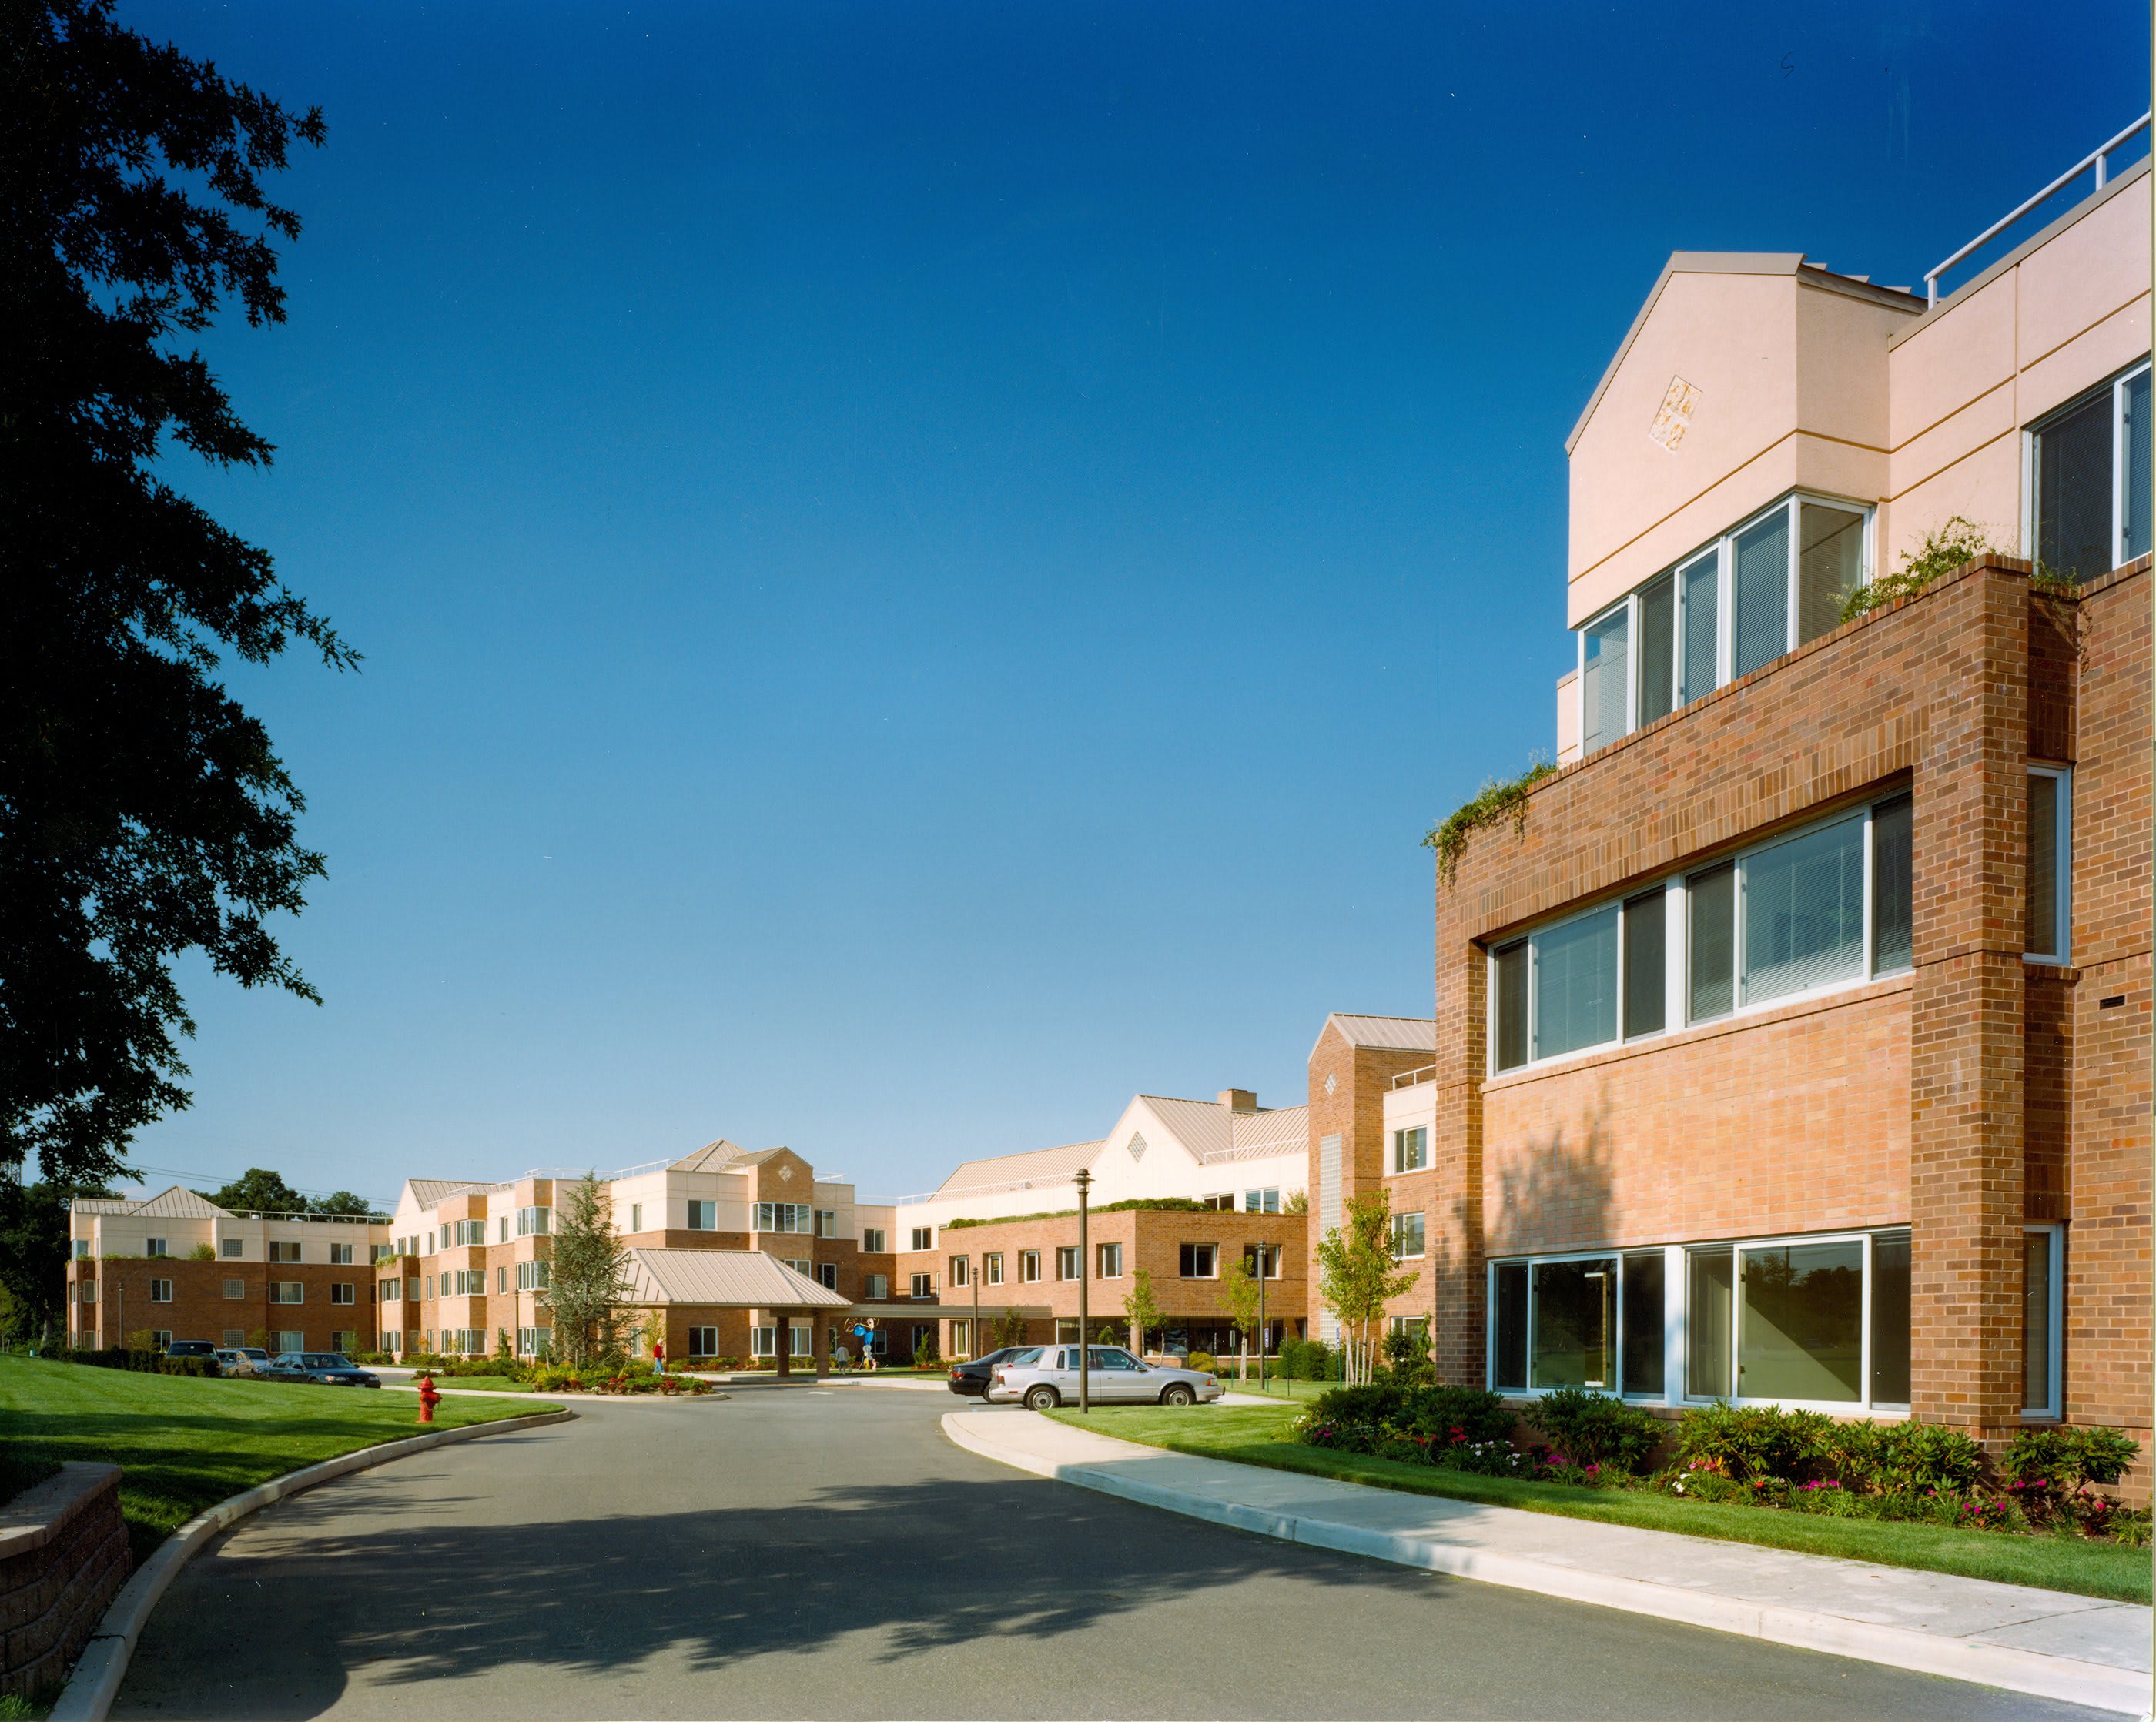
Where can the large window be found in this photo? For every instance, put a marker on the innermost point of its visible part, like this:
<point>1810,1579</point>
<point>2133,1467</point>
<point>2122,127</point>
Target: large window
<point>1107,1261</point>
<point>1820,1321</point>
<point>784,1217</point>
<point>538,1222</point>
<point>703,1217</point>
<point>1200,1261</point>
<point>1824,907</point>
<point>2050,936</point>
<point>1066,1260</point>
<point>1407,1237</point>
<point>1029,1266</point>
<point>872,1240</point>
<point>1761,590</point>
<point>1410,1150</point>
<point>2089,479</point>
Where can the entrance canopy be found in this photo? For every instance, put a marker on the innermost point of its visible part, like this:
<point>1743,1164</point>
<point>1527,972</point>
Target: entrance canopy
<point>723,1278</point>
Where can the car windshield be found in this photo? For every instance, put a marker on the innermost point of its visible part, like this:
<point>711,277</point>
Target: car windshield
<point>1030,1356</point>
<point>319,1360</point>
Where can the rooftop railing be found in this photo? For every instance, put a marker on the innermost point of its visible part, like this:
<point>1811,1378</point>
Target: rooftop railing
<point>2099,158</point>
<point>1411,1078</point>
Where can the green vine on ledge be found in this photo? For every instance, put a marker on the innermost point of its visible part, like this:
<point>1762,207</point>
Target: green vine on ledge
<point>1496,801</point>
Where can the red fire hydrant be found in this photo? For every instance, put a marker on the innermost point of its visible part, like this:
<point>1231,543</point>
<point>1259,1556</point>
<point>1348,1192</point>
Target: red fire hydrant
<point>428,1398</point>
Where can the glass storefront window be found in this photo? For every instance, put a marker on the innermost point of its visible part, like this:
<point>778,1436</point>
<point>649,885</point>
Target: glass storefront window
<point>1642,1366</point>
<point>1508,1358</point>
<point>1707,1323</point>
<point>1801,1322</point>
<point>1890,1318</point>
<point>1575,1311</point>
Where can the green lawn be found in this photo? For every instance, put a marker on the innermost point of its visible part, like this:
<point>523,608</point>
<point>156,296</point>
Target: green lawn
<point>472,1384</point>
<point>185,1444</point>
<point>1255,1435</point>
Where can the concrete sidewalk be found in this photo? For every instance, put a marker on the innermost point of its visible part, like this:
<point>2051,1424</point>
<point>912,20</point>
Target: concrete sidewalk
<point>2079,1649</point>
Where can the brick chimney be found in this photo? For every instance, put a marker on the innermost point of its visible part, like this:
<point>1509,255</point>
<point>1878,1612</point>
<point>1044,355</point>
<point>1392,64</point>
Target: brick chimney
<point>1238,1100</point>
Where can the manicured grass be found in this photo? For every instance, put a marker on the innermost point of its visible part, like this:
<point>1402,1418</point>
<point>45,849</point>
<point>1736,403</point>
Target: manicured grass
<point>184,1444</point>
<point>480,1384</point>
<point>1256,1435</point>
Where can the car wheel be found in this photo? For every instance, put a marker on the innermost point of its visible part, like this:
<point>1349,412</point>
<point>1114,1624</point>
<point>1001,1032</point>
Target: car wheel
<point>1042,1399</point>
<point>1176,1393</point>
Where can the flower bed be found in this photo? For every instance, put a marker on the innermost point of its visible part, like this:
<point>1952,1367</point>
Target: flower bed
<point>2048,1481</point>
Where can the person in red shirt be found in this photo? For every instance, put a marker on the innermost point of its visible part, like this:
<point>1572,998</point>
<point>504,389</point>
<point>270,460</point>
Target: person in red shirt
<point>658,1355</point>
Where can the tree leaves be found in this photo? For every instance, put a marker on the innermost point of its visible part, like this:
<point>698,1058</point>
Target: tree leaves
<point>143,813</point>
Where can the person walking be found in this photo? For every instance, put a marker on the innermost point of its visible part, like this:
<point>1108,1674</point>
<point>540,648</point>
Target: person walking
<point>658,1355</point>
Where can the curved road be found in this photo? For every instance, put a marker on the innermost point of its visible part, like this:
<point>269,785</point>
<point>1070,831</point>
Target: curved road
<point>810,1552</point>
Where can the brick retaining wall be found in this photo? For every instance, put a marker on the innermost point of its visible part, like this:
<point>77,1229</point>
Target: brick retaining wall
<point>63,1557</point>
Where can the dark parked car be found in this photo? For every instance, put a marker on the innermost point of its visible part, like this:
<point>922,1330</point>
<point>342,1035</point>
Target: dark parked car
<point>190,1348</point>
<point>971,1379</point>
<point>330,1369</point>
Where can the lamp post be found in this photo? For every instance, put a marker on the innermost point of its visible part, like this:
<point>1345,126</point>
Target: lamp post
<point>1262,1248</point>
<point>973,1333</point>
<point>1085,1182</point>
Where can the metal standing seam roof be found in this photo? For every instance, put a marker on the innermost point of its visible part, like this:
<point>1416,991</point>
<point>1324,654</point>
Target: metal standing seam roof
<point>1403,1034</point>
<point>175,1203</point>
<point>1040,1163</point>
<point>431,1193</point>
<point>729,1277</point>
<point>1201,1128</point>
<point>715,1157</point>
<point>1260,1135</point>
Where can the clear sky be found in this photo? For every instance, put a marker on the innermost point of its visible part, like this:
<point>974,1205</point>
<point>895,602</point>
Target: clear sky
<point>924,567</point>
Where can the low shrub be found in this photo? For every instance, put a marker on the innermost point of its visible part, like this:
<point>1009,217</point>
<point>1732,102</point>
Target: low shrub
<point>143,1363</point>
<point>1200,1359</point>
<point>1753,1442</point>
<point>1598,1429</point>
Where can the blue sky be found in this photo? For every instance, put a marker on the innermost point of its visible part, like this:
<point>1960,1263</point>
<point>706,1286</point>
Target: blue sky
<point>924,567</point>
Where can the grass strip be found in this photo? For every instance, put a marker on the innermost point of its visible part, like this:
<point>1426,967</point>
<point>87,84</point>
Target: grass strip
<point>183,1444</point>
<point>1256,1435</point>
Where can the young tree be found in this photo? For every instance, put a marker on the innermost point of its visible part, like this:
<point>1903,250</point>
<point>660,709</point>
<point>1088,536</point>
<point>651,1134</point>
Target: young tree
<point>143,813</point>
<point>1140,1310</point>
<point>1358,1276</point>
<point>1009,1330</point>
<point>1240,1290</point>
<point>588,1285</point>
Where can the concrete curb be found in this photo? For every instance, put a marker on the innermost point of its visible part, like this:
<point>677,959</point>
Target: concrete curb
<point>103,1664</point>
<point>2051,1677</point>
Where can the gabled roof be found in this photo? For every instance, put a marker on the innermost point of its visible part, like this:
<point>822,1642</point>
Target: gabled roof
<point>1399,1034</point>
<point>713,1157</point>
<point>1738,263</point>
<point>429,1192</point>
<point>174,1203</point>
<point>1200,1127</point>
<point>1039,1165</point>
<point>734,1279</point>
<point>1277,1131</point>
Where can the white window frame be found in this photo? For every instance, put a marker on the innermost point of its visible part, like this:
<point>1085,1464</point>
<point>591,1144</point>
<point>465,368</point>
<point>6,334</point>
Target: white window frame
<point>1396,1170</point>
<point>1213,1272</point>
<point>873,1241</point>
<point>1676,1317</point>
<point>924,1237</point>
<point>231,1249</point>
<point>1397,1230</point>
<point>1028,1267</point>
<point>1108,1260</point>
<point>2063,865</point>
<point>992,1267</point>
<point>1721,546</point>
<point>1676,937</point>
<point>1262,1202</point>
<point>1066,1255</point>
<point>2055,1323</point>
<point>875,1287</point>
<point>960,1268</point>
<point>155,1246</point>
<point>2115,384</point>
<point>923,1285</point>
<point>161,1291</point>
<point>702,1217</point>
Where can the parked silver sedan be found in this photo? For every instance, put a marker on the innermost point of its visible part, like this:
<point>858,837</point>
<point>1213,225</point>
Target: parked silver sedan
<point>1049,1377</point>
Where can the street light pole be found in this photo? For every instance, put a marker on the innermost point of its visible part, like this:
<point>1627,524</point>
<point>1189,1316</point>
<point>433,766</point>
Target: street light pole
<point>1262,1248</point>
<point>1085,1182</point>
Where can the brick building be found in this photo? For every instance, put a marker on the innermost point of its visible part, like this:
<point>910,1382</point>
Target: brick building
<point>177,1266</point>
<point>1795,1046</point>
<point>1001,1234</point>
<point>461,1264</point>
